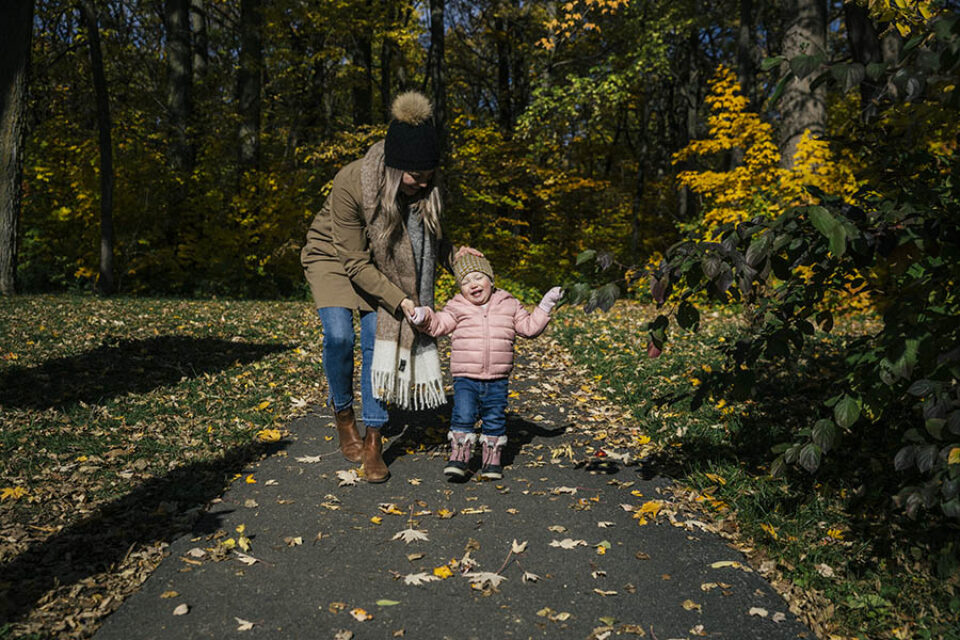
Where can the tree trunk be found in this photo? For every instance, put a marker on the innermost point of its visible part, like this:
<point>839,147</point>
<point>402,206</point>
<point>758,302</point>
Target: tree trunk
<point>17,18</point>
<point>746,67</point>
<point>179,83</point>
<point>105,284</point>
<point>865,48</point>
<point>801,106</point>
<point>504,99</point>
<point>248,84</point>
<point>438,71</point>
<point>690,98</point>
<point>198,28</point>
<point>363,87</point>
<point>387,49</point>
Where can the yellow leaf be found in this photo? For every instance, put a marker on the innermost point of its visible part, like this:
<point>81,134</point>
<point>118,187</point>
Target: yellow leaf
<point>12,493</point>
<point>652,507</point>
<point>442,572</point>
<point>269,435</point>
<point>376,520</point>
<point>263,405</point>
<point>716,478</point>
<point>770,530</point>
<point>241,528</point>
<point>250,479</point>
<point>954,457</point>
<point>360,614</point>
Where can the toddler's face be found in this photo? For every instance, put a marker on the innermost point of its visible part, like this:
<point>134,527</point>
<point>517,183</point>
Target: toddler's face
<point>476,287</point>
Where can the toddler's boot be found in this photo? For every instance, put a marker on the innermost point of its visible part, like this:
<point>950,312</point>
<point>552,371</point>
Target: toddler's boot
<point>492,448</point>
<point>461,448</point>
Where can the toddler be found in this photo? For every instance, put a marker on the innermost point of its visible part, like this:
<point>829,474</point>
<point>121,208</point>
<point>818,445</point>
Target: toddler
<point>485,322</point>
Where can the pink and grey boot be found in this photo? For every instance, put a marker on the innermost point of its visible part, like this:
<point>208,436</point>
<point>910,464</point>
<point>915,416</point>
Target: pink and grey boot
<point>461,448</point>
<point>492,448</point>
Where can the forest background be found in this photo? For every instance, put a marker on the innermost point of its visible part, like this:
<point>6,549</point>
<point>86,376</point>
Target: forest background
<point>789,164</point>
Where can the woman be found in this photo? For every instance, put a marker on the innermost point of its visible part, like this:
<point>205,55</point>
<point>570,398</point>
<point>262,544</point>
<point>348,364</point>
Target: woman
<point>374,247</point>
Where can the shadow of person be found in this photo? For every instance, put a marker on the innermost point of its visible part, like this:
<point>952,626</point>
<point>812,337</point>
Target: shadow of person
<point>118,367</point>
<point>159,510</point>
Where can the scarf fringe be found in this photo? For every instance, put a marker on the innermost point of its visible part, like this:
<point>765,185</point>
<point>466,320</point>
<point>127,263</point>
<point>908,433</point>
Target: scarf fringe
<point>420,384</point>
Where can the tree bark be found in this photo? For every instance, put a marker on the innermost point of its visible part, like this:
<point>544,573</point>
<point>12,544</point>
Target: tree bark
<point>438,71</point>
<point>105,283</point>
<point>198,29</point>
<point>865,49</point>
<point>17,18</point>
<point>387,49</point>
<point>248,84</point>
<point>690,98</point>
<point>179,83</point>
<point>802,107</point>
<point>504,98</point>
<point>363,88</point>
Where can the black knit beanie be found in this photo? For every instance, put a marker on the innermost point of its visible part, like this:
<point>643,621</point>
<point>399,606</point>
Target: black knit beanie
<point>411,143</point>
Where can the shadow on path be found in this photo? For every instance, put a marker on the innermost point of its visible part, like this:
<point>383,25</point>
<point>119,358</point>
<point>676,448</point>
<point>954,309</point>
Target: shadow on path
<point>159,510</point>
<point>118,367</point>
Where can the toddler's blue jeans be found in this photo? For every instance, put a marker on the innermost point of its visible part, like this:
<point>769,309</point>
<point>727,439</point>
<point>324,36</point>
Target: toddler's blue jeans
<point>486,399</point>
<point>338,340</point>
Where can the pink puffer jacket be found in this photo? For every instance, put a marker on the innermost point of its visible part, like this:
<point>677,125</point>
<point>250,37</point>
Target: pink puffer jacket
<point>483,336</point>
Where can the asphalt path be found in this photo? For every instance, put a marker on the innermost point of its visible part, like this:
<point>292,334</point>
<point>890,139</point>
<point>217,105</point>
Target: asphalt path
<point>563,547</point>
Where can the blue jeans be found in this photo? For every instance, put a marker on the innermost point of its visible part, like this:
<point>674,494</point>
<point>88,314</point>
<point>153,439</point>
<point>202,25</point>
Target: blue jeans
<point>338,341</point>
<point>486,399</point>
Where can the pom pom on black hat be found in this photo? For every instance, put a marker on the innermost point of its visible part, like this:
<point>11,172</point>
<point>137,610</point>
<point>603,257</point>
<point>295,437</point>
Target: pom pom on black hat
<point>411,143</point>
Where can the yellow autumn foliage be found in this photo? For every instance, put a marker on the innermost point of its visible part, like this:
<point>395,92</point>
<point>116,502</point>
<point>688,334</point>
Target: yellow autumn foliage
<point>758,185</point>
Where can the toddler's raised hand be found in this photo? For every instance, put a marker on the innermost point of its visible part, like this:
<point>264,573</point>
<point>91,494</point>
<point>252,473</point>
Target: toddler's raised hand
<point>550,298</point>
<point>419,315</point>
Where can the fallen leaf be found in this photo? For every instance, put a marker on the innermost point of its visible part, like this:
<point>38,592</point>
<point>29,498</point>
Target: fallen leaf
<point>250,503</point>
<point>568,543</point>
<point>268,435</point>
<point>442,572</point>
<point>731,563</point>
<point>169,594</point>
<point>250,479</point>
<point>243,625</point>
<point>387,603</point>
<point>412,557</point>
<point>518,547</point>
<point>271,483</point>
<point>605,524</point>
<point>557,528</point>
<point>605,593</point>
<point>697,630</point>
<point>757,611</point>
<point>181,609</point>
<point>360,615</point>
<point>244,558</point>
<point>308,459</point>
<point>779,617</point>
<point>530,577</point>
<point>391,509</point>
<point>293,541</point>
<point>377,520</point>
<point>443,514</point>
<point>410,535</point>
<point>418,579</point>
<point>415,481</point>
<point>348,477</point>
<point>825,570</point>
<point>472,510</point>
<point>482,578</point>
<point>690,605</point>
<point>559,490</point>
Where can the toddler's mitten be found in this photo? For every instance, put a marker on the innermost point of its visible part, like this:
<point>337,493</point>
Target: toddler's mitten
<point>419,315</point>
<point>550,298</point>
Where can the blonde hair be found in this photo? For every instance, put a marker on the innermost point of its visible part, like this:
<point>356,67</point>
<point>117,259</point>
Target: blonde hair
<point>431,208</point>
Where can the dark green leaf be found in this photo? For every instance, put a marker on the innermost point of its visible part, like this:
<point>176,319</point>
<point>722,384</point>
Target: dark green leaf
<point>770,63</point>
<point>804,65</point>
<point>824,434</point>
<point>934,427</point>
<point>926,456</point>
<point>921,388</point>
<point>586,256</point>
<point>904,458</point>
<point>809,457</point>
<point>846,412</point>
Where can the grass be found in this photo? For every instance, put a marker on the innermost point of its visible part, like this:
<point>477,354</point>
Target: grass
<point>857,566</point>
<point>119,416</point>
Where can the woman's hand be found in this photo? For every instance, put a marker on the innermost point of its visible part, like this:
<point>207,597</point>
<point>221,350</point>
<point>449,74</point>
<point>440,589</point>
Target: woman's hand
<point>463,250</point>
<point>408,307</point>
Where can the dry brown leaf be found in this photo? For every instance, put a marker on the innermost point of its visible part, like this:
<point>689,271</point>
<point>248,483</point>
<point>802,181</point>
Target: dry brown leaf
<point>243,625</point>
<point>690,605</point>
<point>181,609</point>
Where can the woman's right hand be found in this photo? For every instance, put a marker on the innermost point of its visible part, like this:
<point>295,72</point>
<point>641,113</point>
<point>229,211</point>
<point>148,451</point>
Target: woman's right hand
<point>408,307</point>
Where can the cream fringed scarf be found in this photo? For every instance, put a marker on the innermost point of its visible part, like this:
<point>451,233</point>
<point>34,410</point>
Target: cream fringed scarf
<point>406,365</point>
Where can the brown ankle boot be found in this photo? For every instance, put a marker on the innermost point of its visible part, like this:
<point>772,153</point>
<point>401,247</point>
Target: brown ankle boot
<point>374,468</point>
<point>350,442</point>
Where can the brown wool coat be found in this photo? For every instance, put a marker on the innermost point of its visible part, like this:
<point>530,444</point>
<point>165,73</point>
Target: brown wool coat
<point>337,260</point>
